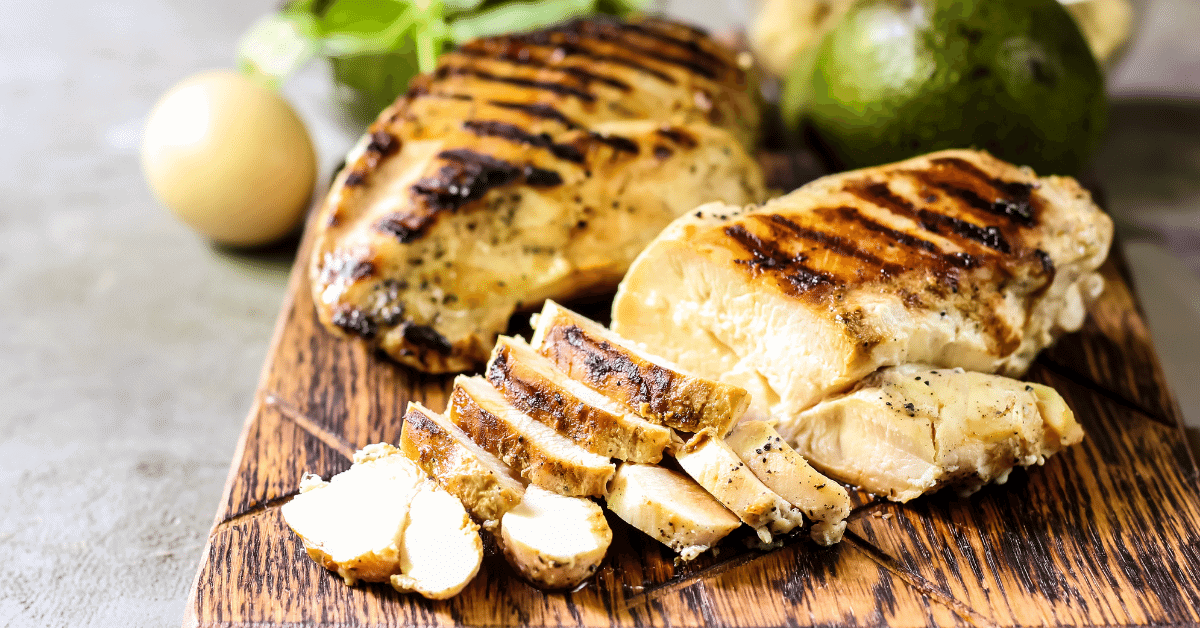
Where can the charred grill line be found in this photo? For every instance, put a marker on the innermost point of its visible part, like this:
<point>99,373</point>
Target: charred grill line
<point>550,86</point>
<point>678,136</point>
<point>538,110</point>
<point>1017,201</point>
<point>514,133</point>
<point>838,245</point>
<point>574,49</point>
<point>467,177</point>
<point>882,196</point>
<point>618,143</point>
<point>764,255</point>
<point>851,214</point>
<point>522,57</point>
<point>564,38</point>
<point>690,45</point>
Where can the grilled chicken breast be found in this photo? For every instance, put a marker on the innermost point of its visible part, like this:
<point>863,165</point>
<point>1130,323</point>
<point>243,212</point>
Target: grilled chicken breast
<point>485,485</point>
<point>911,429</point>
<point>953,259</point>
<point>788,474</point>
<point>541,455</point>
<point>533,385</point>
<point>669,507</point>
<point>555,541</point>
<point>527,166</point>
<point>723,474</point>
<point>646,384</point>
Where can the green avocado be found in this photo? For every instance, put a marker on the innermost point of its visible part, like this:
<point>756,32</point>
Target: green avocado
<point>898,78</point>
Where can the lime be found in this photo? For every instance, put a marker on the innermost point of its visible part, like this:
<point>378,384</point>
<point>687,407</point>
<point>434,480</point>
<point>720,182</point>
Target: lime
<point>898,78</point>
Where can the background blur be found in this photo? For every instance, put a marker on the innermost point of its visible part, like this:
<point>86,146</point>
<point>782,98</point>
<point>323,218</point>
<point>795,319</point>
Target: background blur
<point>130,348</point>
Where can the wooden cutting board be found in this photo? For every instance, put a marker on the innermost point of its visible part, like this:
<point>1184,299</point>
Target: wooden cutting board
<point>1104,534</point>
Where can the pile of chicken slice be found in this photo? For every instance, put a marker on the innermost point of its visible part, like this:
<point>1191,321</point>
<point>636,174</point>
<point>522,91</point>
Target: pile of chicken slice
<point>581,413</point>
<point>525,451</point>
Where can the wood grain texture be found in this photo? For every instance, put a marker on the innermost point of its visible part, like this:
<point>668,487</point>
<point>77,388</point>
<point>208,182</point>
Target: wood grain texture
<point>1102,535</point>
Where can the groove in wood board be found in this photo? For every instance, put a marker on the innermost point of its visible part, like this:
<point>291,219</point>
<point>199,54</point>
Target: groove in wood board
<point>1102,535</point>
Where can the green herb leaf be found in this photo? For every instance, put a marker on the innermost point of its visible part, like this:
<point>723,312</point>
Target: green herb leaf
<point>517,16</point>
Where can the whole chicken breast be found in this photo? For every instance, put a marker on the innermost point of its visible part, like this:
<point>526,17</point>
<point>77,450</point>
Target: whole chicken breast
<point>525,167</point>
<point>953,259</point>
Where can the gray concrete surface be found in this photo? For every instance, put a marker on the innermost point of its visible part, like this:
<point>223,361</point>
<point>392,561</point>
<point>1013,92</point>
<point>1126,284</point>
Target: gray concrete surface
<point>130,349</point>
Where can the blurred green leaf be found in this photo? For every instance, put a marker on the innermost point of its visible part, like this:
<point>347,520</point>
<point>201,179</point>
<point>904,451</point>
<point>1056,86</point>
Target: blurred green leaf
<point>279,44</point>
<point>517,16</point>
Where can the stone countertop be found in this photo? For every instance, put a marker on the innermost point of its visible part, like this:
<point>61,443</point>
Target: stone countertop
<point>131,348</point>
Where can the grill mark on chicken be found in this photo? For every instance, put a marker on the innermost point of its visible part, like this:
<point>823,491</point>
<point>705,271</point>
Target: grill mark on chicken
<point>514,133</point>
<point>426,337</point>
<point>469,175</point>
<point>839,245</point>
<point>519,55</point>
<point>575,49</point>
<point>851,214</point>
<point>571,33</point>
<point>550,86</point>
<point>1016,202</point>
<point>679,136</point>
<point>765,255</point>
<point>602,361</point>
<point>538,110</point>
<point>880,195</point>
<point>691,45</point>
<point>618,143</point>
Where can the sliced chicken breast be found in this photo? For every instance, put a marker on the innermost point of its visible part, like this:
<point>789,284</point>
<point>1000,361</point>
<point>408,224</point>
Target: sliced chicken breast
<point>719,470</point>
<point>533,385</point>
<point>527,166</point>
<point>555,541</point>
<point>909,430</point>
<point>373,521</point>
<point>485,485</point>
<point>954,259</point>
<point>788,474</point>
<point>669,507</point>
<point>650,386</point>
<point>442,550</point>
<point>535,451</point>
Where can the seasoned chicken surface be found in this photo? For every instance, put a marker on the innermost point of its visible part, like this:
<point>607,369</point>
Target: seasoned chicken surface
<point>788,474</point>
<point>527,166</point>
<point>670,507</point>
<point>953,259</point>
<point>485,485</point>
<point>646,384</point>
<point>534,450</point>
<point>909,430</point>
<point>533,385</point>
<point>555,541</point>
<point>723,474</point>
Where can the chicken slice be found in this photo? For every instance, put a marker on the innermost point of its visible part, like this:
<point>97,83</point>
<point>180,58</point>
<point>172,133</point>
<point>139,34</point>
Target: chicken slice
<point>538,453</point>
<point>787,473</point>
<point>533,385</point>
<point>484,484</point>
<point>555,541</point>
<point>368,522</point>
<point>955,259</point>
<point>719,470</point>
<point>442,550</point>
<point>911,429</point>
<point>651,386</point>
<point>670,507</point>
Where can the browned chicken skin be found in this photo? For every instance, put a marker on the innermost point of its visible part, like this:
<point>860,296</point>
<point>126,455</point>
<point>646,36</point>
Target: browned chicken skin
<point>525,167</point>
